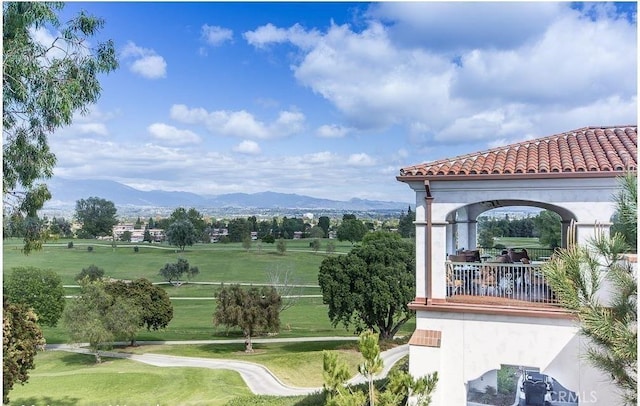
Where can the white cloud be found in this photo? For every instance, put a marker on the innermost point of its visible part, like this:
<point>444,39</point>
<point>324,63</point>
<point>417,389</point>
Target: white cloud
<point>269,33</point>
<point>172,135</point>
<point>150,166</point>
<point>248,147</point>
<point>145,62</point>
<point>215,35</point>
<point>240,123</point>
<point>92,128</point>
<point>361,159</point>
<point>501,70</point>
<point>332,131</point>
<point>454,27</point>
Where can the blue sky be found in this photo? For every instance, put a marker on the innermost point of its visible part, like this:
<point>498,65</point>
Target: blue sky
<point>332,99</point>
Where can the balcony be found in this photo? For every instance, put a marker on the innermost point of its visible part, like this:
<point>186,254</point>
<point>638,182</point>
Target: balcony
<point>497,283</point>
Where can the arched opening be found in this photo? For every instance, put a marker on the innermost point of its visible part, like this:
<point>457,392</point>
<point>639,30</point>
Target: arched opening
<point>465,224</point>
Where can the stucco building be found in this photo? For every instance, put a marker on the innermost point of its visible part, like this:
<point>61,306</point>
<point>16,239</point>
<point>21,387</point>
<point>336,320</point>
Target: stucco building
<point>471,339</point>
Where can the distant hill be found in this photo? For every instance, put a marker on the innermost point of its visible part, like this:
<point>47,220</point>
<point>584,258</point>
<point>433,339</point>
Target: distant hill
<point>65,192</point>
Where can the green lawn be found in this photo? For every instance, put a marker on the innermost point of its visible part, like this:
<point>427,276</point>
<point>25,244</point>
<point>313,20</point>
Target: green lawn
<point>216,262</point>
<point>72,379</point>
<point>296,364</point>
<point>65,379</point>
<point>193,320</point>
<point>520,242</point>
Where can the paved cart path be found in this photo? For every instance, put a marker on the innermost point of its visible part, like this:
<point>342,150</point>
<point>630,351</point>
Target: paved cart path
<point>259,379</point>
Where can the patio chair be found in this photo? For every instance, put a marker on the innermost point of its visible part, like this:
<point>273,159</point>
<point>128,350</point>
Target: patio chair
<point>516,255</point>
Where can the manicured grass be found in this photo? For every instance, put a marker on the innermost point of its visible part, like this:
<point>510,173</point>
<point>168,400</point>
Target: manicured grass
<point>65,379</point>
<point>216,262</point>
<point>297,364</point>
<point>193,320</point>
<point>519,242</point>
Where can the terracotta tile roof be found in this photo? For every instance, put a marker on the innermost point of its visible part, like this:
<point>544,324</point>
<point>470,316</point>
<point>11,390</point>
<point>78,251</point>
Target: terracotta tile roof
<point>603,150</point>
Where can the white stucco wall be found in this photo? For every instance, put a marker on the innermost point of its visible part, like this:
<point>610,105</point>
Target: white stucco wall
<point>473,344</point>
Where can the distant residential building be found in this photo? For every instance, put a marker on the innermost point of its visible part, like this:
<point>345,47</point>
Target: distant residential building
<point>217,233</point>
<point>297,235</point>
<point>137,235</point>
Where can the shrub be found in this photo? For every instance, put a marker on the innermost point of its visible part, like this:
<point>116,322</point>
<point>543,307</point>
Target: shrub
<point>500,246</point>
<point>90,248</point>
<point>92,272</point>
<point>70,244</point>
<point>269,239</point>
<point>136,249</point>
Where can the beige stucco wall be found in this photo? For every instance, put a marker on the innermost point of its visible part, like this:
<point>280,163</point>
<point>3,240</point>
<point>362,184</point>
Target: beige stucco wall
<point>473,344</point>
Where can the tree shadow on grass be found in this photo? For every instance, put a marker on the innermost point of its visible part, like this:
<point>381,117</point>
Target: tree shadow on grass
<point>46,401</point>
<point>319,346</point>
<point>78,360</point>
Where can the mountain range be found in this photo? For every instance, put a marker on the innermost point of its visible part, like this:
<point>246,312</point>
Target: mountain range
<point>65,192</point>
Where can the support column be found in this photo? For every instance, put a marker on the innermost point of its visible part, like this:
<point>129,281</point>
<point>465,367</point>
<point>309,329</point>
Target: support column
<point>421,237</point>
<point>438,258</point>
<point>451,238</point>
<point>564,231</point>
<point>463,234</point>
<point>472,227</point>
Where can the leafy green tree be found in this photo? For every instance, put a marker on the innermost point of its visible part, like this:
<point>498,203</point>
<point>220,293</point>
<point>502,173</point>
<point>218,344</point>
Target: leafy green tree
<point>291,225</point>
<point>626,217</point>
<point>21,339</point>
<point>485,238</point>
<point>324,223</point>
<point>173,272</point>
<point>61,227</point>
<point>371,287</point>
<point>126,236</point>
<point>316,232</point>
<point>315,245</point>
<point>370,350</point>
<point>44,84</point>
<point>406,228</point>
<point>402,387</point>
<point>239,229</point>
<point>252,310</point>
<point>39,289</point>
<point>97,216</point>
<point>264,228</point>
<point>152,301</point>
<point>335,372</point>
<point>331,247</point>
<point>138,224</point>
<point>92,272</point>
<point>548,226</point>
<point>352,230</point>
<point>246,243</point>
<point>281,246</point>
<point>181,233</point>
<point>99,318</point>
<point>147,236</point>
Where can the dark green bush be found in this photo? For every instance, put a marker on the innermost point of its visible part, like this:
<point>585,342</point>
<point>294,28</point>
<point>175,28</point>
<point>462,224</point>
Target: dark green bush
<point>90,248</point>
<point>70,244</point>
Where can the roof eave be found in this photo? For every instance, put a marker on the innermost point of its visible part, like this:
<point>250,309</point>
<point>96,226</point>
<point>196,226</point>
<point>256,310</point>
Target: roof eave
<point>485,176</point>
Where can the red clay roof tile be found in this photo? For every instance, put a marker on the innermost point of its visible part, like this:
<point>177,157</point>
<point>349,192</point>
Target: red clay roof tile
<point>589,149</point>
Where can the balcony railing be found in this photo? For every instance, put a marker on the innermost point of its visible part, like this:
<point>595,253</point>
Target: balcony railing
<point>517,282</point>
